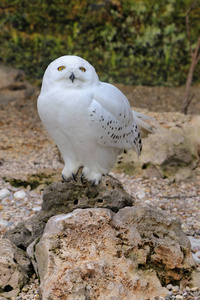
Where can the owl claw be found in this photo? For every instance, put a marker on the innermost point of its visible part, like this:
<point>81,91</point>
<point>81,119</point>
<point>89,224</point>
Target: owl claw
<point>74,177</point>
<point>63,177</point>
<point>82,176</point>
<point>93,183</point>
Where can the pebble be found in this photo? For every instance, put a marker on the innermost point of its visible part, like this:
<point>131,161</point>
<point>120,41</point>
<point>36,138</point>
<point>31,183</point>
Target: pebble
<point>37,208</point>
<point>4,193</point>
<point>196,257</point>
<point>19,195</point>
<point>4,223</point>
<point>175,288</point>
<point>195,243</point>
<point>25,289</point>
<point>179,297</point>
<point>140,194</point>
<point>169,286</point>
<point>194,289</point>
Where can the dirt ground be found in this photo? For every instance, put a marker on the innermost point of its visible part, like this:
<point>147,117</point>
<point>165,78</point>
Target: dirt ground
<point>25,146</point>
<point>161,99</point>
<point>28,156</point>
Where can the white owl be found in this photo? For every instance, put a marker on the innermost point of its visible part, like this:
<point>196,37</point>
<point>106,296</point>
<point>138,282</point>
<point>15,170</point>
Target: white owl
<point>90,121</point>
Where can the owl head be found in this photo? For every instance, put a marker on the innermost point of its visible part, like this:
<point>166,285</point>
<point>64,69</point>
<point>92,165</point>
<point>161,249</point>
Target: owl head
<point>69,72</point>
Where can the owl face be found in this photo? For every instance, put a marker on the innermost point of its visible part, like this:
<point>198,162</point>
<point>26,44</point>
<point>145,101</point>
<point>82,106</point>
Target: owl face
<point>70,72</point>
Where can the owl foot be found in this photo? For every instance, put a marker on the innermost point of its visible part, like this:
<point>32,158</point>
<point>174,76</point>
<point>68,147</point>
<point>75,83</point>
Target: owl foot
<point>66,180</point>
<point>92,176</point>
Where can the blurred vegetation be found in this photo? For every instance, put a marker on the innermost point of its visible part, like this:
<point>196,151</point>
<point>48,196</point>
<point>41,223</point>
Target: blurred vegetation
<point>131,42</point>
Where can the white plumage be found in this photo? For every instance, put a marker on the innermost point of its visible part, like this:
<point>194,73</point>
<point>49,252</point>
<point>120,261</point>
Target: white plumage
<point>89,120</point>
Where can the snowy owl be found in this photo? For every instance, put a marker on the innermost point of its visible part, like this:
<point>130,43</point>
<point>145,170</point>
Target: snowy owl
<point>90,121</point>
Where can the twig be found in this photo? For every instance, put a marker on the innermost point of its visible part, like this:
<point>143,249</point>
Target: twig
<point>195,55</point>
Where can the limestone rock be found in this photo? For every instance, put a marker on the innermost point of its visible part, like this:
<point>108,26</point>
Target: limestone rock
<point>65,197</point>
<point>13,85</point>
<point>4,193</point>
<point>171,153</point>
<point>98,254</point>
<point>14,269</point>
<point>9,76</point>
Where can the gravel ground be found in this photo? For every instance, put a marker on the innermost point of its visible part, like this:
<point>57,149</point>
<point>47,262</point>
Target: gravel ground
<point>27,149</point>
<point>181,200</point>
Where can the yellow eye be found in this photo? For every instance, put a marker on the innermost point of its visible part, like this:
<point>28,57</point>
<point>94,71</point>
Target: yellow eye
<point>82,69</point>
<point>61,68</point>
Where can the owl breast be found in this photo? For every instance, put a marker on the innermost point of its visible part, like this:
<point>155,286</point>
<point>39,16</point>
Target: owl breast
<point>65,113</point>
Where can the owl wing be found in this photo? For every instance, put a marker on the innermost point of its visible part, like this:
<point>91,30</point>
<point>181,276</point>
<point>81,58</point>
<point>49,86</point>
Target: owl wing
<point>111,116</point>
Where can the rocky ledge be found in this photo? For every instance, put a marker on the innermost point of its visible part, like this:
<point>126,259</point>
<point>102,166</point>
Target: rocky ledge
<point>97,243</point>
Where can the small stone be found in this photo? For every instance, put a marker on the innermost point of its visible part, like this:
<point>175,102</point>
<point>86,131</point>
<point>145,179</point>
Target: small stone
<point>196,257</point>
<point>175,289</point>
<point>37,208</point>
<point>25,289</point>
<point>169,286</point>
<point>179,297</point>
<point>4,193</point>
<point>4,223</point>
<point>194,289</point>
<point>19,195</point>
<point>195,243</point>
<point>140,194</point>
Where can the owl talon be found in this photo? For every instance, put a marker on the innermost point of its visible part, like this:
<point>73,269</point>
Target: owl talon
<point>63,177</point>
<point>82,176</point>
<point>93,183</point>
<point>74,177</point>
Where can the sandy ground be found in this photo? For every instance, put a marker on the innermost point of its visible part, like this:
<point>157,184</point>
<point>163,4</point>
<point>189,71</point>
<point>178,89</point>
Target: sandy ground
<point>26,150</point>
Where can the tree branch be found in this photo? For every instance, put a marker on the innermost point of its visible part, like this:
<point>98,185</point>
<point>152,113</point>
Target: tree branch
<point>197,57</point>
<point>192,6</point>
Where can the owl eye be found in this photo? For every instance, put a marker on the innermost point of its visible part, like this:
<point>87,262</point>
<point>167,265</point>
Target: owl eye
<point>61,68</point>
<point>82,69</point>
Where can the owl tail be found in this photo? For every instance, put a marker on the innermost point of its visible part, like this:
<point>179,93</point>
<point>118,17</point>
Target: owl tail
<point>144,126</point>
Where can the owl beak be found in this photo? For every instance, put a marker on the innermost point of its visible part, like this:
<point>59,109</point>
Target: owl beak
<point>72,77</point>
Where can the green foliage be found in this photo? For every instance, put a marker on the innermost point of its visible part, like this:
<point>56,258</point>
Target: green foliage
<point>131,42</point>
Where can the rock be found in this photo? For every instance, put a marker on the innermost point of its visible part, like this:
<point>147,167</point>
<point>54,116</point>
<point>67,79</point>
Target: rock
<point>19,194</point>
<point>65,197</point>
<point>194,289</point>
<point>195,243</point>
<point>4,223</point>
<point>140,194</point>
<point>10,75</point>
<point>14,269</point>
<point>4,193</point>
<point>171,153</point>
<point>13,86</point>
<point>98,254</point>
<point>196,257</point>
<point>195,281</point>
<point>169,286</point>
